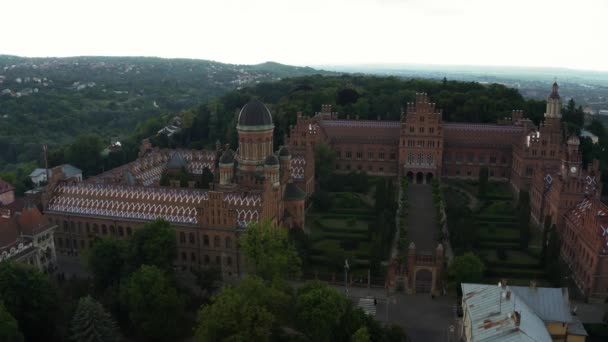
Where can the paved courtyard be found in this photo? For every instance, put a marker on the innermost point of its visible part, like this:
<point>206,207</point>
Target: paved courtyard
<point>422,317</point>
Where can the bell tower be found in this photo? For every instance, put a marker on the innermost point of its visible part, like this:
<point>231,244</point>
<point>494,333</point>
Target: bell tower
<point>553,112</point>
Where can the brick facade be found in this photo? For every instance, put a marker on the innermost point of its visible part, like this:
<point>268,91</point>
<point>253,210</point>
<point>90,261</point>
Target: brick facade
<point>252,184</point>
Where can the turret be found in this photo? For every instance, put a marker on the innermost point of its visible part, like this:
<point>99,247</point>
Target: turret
<point>226,166</point>
<point>285,163</point>
<point>271,170</point>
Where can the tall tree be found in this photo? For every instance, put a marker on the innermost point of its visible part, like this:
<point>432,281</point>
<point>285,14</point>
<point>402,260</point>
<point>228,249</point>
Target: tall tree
<point>9,329</point>
<point>85,152</point>
<point>29,297</point>
<point>91,323</point>
<point>155,308</point>
<point>319,310</point>
<point>106,261</point>
<point>154,244</point>
<point>482,188</point>
<point>467,268</point>
<point>546,230</point>
<point>251,311</point>
<point>269,252</point>
<point>523,213</point>
<point>324,163</point>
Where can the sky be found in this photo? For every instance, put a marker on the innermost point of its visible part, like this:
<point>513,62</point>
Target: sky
<point>536,33</point>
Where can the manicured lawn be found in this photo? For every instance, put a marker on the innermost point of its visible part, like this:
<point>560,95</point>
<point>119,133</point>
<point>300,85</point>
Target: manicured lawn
<point>496,234</point>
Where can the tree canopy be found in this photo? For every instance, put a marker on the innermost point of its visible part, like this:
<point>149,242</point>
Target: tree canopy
<point>269,252</point>
<point>155,245</point>
<point>251,311</point>
<point>91,323</point>
<point>30,298</point>
<point>155,308</point>
<point>467,268</point>
<point>9,328</point>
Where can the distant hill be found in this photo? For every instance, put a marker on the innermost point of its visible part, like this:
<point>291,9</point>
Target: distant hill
<point>51,100</point>
<point>589,88</point>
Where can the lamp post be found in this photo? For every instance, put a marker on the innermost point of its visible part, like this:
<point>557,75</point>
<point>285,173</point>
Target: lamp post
<point>346,267</point>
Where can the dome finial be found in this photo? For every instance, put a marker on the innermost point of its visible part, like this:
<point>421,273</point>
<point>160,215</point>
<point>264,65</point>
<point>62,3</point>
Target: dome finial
<point>554,91</point>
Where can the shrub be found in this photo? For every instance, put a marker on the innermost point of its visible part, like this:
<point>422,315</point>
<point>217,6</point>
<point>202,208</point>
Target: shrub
<point>501,254</point>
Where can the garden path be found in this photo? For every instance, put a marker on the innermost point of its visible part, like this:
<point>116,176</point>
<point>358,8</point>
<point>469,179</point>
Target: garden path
<point>422,218</point>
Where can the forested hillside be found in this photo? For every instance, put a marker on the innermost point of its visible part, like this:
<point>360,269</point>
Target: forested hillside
<point>369,97</point>
<point>52,100</point>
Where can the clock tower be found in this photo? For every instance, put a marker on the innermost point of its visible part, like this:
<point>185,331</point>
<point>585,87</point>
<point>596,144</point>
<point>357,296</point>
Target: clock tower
<point>572,161</point>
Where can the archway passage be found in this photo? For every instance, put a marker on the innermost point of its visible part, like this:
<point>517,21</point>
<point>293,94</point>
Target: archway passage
<point>429,178</point>
<point>410,177</point>
<point>424,281</point>
<point>419,178</point>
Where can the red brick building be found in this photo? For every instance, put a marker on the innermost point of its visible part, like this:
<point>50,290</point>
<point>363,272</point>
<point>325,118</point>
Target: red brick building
<point>421,146</point>
<point>252,183</point>
<point>584,242</point>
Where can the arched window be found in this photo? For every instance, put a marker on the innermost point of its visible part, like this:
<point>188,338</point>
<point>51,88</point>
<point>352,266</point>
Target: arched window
<point>104,229</point>
<point>184,257</point>
<point>121,231</point>
<point>182,237</point>
<point>206,260</point>
<point>229,261</point>
<point>191,238</point>
<point>206,240</point>
<point>228,242</point>
<point>129,231</point>
<point>193,257</point>
<point>112,230</point>
<point>95,228</point>
<point>88,228</point>
<point>216,241</point>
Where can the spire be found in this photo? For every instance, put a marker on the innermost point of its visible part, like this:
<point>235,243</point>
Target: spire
<point>554,91</point>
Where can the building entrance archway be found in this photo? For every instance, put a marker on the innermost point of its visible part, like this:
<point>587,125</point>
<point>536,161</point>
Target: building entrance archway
<point>424,281</point>
<point>419,178</point>
<point>429,178</point>
<point>410,177</point>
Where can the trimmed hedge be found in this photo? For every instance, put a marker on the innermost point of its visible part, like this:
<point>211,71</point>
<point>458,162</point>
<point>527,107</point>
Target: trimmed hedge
<point>514,273</point>
<point>494,245</point>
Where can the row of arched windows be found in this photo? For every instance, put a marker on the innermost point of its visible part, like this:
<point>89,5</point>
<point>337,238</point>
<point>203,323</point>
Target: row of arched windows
<point>217,240</point>
<point>206,259</point>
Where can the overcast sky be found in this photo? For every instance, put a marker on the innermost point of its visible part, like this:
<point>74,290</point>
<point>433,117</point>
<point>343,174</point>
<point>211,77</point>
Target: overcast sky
<point>549,33</point>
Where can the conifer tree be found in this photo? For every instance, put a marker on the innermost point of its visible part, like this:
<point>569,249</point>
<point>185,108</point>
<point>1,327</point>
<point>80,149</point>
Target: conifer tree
<point>91,323</point>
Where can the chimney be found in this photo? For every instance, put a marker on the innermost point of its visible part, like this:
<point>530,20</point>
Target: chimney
<point>517,317</point>
<point>508,295</point>
<point>533,284</point>
<point>503,282</point>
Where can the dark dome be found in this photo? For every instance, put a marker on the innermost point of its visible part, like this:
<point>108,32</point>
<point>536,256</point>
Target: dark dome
<point>227,157</point>
<point>284,152</point>
<point>271,160</point>
<point>176,162</point>
<point>255,113</point>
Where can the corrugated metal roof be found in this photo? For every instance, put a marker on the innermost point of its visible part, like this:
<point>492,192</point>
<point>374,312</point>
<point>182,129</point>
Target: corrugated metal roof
<point>492,315</point>
<point>550,304</point>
